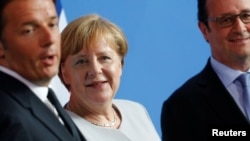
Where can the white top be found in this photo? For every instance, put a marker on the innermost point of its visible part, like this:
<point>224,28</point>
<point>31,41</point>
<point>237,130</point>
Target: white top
<point>136,125</point>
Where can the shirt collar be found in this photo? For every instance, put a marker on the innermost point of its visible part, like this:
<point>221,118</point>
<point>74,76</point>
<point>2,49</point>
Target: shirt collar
<point>227,75</point>
<point>40,92</point>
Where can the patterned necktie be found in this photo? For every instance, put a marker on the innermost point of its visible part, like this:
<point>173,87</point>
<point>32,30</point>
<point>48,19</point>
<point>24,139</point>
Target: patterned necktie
<point>244,80</point>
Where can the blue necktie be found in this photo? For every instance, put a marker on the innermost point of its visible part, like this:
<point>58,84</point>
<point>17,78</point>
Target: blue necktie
<point>244,80</point>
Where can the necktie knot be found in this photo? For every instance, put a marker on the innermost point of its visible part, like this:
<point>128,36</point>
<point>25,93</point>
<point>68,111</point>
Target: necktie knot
<point>51,96</point>
<point>244,79</point>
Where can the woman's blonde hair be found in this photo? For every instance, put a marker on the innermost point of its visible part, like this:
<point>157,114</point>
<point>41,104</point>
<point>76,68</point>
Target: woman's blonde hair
<point>83,31</point>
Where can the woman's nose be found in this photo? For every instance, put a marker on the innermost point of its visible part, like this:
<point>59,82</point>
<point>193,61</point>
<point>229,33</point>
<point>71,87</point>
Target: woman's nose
<point>95,69</point>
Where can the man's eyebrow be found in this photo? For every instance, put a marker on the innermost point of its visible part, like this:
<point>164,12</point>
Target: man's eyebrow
<point>54,17</point>
<point>28,23</point>
<point>33,22</point>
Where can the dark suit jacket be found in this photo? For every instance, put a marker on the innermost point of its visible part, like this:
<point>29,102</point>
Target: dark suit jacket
<point>197,107</point>
<point>24,117</point>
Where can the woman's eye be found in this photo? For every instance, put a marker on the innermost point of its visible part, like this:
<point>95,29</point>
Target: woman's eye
<point>105,58</point>
<point>81,61</point>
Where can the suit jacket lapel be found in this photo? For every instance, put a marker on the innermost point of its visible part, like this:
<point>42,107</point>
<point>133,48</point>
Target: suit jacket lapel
<point>42,113</point>
<point>22,94</point>
<point>219,98</point>
<point>67,120</point>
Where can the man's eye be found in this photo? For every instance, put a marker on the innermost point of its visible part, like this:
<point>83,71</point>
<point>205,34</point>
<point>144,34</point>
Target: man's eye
<point>55,24</point>
<point>245,16</point>
<point>227,19</point>
<point>27,31</point>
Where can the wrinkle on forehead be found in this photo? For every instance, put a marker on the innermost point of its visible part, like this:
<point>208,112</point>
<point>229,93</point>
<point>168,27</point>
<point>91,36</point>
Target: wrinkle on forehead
<point>219,7</point>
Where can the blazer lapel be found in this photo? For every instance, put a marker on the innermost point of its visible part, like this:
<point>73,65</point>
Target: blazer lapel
<point>219,98</point>
<point>65,117</point>
<point>45,115</point>
<point>22,94</point>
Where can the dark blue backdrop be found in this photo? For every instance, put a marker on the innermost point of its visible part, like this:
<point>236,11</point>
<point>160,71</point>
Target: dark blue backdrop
<point>165,46</point>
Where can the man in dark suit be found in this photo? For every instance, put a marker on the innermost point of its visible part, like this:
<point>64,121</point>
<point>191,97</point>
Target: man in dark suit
<point>29,59</point>
<point>210,105</point>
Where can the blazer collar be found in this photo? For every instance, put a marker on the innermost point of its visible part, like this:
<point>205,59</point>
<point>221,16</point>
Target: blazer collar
<point>218,96</point>
<point>23,95</point>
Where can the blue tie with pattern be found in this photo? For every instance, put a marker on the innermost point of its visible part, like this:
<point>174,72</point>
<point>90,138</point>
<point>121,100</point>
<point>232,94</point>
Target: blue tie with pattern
<point>244,80</point>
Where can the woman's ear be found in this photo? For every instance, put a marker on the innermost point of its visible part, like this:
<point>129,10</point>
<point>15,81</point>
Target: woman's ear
<point>121,67</point>
<point>64,73</point>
